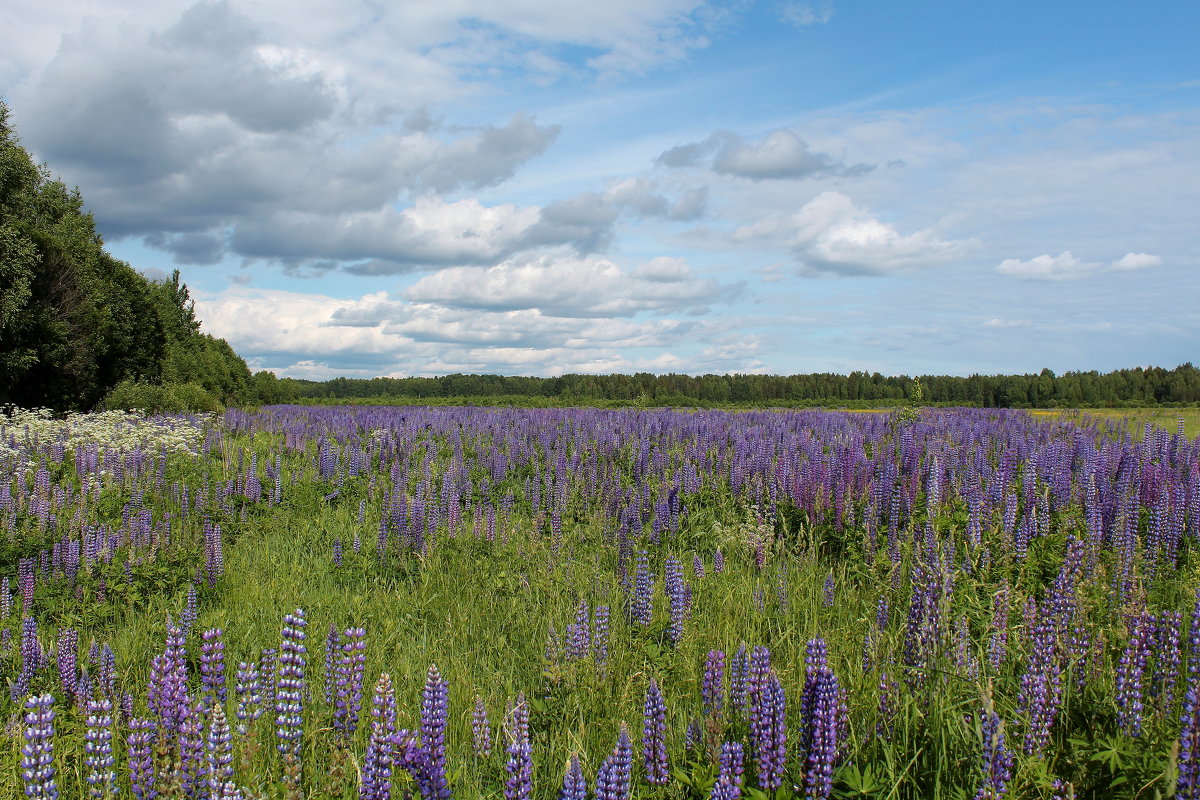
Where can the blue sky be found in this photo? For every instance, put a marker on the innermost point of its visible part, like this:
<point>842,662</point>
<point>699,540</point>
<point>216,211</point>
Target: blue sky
<point>537,187</point>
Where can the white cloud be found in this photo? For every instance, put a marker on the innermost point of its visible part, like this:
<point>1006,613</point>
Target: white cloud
<point>830,234</point>
<point>1062,267</point>
<point>780,155</point>
<point>803,15</point>
<point>1136,261</point>
<point>571,287</point>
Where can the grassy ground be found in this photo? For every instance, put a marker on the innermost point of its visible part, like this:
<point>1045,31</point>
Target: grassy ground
<point>1134,419</point>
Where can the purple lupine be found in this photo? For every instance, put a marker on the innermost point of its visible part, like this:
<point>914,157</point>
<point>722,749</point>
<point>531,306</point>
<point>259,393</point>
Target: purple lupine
<point>377,764</point>
<point>829,591</point>
<point>519,767</point>
<point>289,700</point>
<point>574,786</point>
<point>641,605</point>
<point>718,561</point>
<point>193,768</point>
<point>697,566</point>
<point>68,655</point>
<point>191,611</point>
<point>333,646</point>
<point>600,635</point>
<point>768,731</point>
<point>212,664</point>
<point>435,707</point>
<point>142,735</point>
<point>737,679</point>
<point>218,750</point>
<point>579,645</point>
<point>712,685</point>
<point>481,729</point>
<point>613,779</point>
<point>1167,656</point>
<point>823,722</point>
<point>268,675</point>
<point>886,723</point>
<point>350,673</point>
<point>1188,786</point>
<point>214,559</point>
<point>98,749</point>
<point>26,582</point>
<point>37,755</point>
<point>678,598</point>
<point>997,760</point>
<point>729,777</point>
<point>654,737</point>
<point>249,701</point>
<point>1130,676</point>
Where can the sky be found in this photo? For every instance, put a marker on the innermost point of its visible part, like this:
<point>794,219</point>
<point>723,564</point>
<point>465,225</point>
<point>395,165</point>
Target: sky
<point>540,187</point>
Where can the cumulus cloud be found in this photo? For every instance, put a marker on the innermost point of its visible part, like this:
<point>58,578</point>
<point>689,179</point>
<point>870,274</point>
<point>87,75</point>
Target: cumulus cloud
<point>572,287</point>
<point>780,155</point>
<point>183,133</point>
<point>1062,267</point>
<point>1135,261</point>
<point>832,235</point>
<point>804,15</point>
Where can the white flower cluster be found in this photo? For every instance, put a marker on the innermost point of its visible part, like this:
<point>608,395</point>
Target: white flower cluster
<point>25,433</point>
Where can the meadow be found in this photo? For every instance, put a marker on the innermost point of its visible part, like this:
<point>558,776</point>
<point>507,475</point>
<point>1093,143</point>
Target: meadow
<point>362,602</point>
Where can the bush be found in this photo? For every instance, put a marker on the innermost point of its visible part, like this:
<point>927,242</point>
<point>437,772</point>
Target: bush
<point>170,398</point>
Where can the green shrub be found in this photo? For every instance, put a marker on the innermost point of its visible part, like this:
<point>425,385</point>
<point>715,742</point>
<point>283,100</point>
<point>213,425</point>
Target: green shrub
<point>170,398</point>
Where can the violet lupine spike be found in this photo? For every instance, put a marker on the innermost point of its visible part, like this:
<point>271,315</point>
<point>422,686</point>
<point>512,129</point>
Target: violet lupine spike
<point>1188,784</point>
<point>190,613</point>
<point>435,708</point>
<point>718,561</point>
<point>349,682</point>
<point>654,737</point>
<point>712,685</point>
<point>579,645</point>
<point>822,722</point>
<point>333,646</point>
<point>574,786</point>
<point>289,701</point>
<point>37,755</point>
<point>212,664</point>
<point>141,740</point>
<point>829,591</point>
<point>641,605</point>
<point>249,700</point>
<point>600,632</point>
<point>481,730</point>
<point>768,732</point>
<point>730,772</point>
<point>997,760</point>
<point>98,753</point>
<point>193,768</point>
<point>218,751</point>
<point>377,764</point>
<point>737,679</point>
<point>1130,678</point>
<point>613,780</point>
<point>519,767</point>
<point>68,655</point>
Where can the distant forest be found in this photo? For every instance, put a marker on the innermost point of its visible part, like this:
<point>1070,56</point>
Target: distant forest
<point>1121,388</point>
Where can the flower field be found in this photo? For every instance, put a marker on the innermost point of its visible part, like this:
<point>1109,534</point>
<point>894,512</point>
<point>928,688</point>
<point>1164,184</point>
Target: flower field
<point>357,602</point>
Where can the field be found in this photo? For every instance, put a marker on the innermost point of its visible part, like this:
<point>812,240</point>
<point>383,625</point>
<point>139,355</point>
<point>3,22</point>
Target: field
<point>345,602</point>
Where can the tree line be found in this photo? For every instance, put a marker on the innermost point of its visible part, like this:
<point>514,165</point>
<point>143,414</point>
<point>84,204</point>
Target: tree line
<point>80,329</point>
<point>1125,387</point>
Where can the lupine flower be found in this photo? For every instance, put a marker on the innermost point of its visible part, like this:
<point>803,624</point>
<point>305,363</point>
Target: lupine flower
<point>434,717</point>
<point>350,672</point>
<point>737,679</point>
<point>712,685</point>
<point>1130,674</point>
<point>718,561</point>
<point>823,722</point>
<point>249,701</point>
<point>98,749</point>
<point>600,635</point>
<point>729,776</point>
<point>829,590</point>
<point>654,737</point>
<point>212,664</point>
<point>289,700</point>
<point>1188,786</point>
<point>641,607</point>
<point>768,731</point>
<point>377,764</point>
<point>333,648</point>
<point>68,654</point>
<point>579,645</point>
<point>219,750</point>
<point>481,731</point>
<point>37,756</point>
<point>574,786</point>
<point>519,767</point>
<point>613,779</point>
<point>193,767</point>
<point>141,761</point>
<point>997,761</point>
